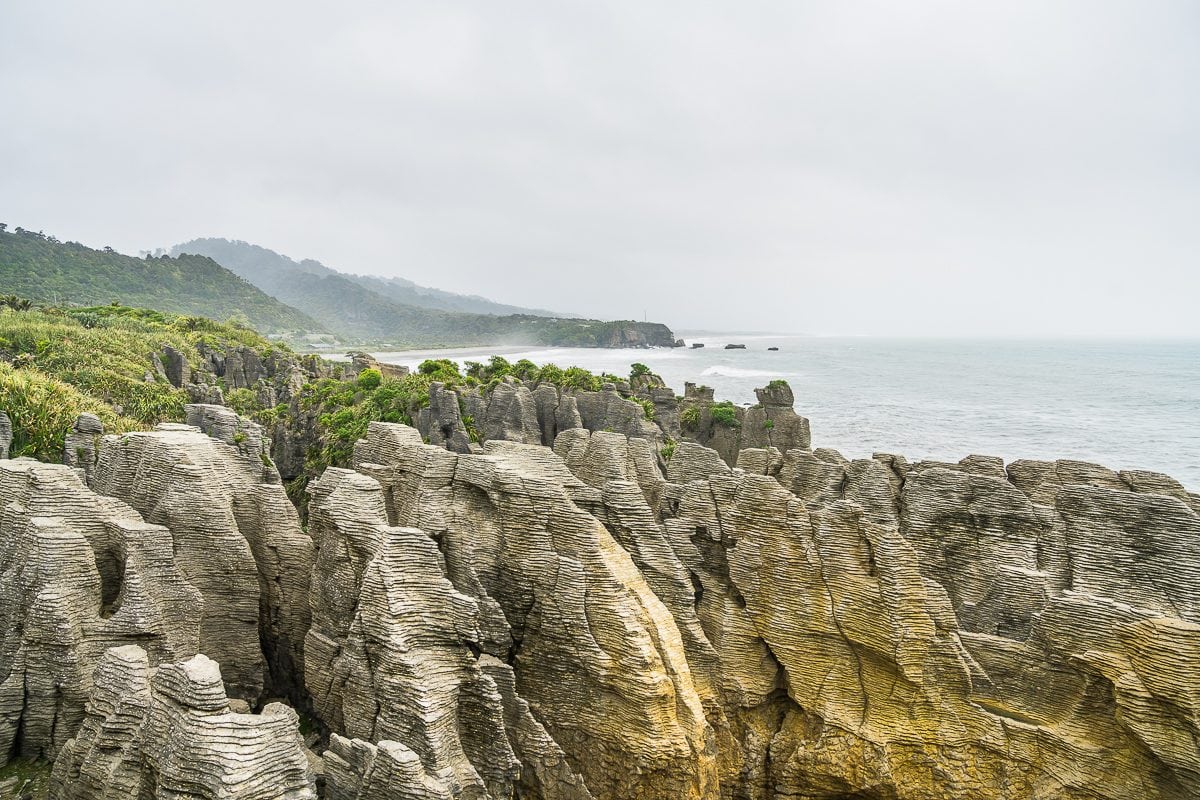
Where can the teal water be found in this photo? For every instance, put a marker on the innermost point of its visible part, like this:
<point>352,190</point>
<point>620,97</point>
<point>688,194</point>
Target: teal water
<point>1125,404</point>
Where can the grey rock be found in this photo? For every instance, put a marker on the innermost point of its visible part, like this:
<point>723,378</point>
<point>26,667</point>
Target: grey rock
<point>169,733</point>
<point>6,434</point>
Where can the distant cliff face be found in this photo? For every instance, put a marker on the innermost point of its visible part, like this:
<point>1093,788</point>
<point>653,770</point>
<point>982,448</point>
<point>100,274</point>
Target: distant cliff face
<point>613,617</point>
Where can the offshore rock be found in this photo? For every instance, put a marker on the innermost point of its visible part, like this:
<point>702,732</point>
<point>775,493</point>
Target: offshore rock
<point>237,539</point>
<point>169,733</point>
<point>79,573</point>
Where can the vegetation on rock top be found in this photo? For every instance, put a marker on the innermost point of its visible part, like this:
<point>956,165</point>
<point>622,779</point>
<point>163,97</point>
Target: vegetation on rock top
<point>106,360</point>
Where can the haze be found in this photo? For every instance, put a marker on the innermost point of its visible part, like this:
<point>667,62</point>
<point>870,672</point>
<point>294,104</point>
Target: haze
<point>961,169</point>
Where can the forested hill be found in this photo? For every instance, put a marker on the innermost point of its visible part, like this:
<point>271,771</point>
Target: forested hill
<point>46,270</point>
<point>262,266</point>
<point>357,312</point>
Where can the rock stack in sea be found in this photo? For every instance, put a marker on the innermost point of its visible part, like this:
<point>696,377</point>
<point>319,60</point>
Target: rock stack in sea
<point>569,599</point>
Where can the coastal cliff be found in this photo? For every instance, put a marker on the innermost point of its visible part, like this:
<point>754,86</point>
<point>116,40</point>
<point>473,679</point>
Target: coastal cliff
<point>545,591</point>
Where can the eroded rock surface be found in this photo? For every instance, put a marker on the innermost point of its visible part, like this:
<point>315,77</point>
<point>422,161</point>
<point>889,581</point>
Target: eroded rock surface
<point>236,539</point>
<point>170,733</point>
<point>584,621</point>
<point>79,573</point>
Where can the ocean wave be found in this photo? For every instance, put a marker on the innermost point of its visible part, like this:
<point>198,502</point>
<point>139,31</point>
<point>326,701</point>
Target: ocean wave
<point>741,372</point>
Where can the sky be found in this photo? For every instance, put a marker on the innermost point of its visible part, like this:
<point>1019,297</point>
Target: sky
<point>1022,168</point>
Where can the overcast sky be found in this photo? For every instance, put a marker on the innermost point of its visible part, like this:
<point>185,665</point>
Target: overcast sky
<point>945,168</point>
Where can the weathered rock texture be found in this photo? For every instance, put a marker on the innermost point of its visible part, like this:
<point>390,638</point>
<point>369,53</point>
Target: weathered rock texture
<point>236,539</point>
<point>79,573</point>
<point>598,680</point>
<point>752,620</point>
<point>170,733</point>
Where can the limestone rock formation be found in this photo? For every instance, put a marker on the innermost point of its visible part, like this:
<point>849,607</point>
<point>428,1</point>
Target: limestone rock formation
<point>170,733</point>
<point>6,434</point>
<point>392,657</point>
<point>82,445</point>
<point>79,573</point>
<point>571,610</point>
<point>772,423</point>
<point>596,655</point>
<point>237,539</point>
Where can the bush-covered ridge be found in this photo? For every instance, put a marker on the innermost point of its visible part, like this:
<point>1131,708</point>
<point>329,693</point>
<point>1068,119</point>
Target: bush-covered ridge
<point>46,270</point>
<point>345,408</point>
<point>57,363</point>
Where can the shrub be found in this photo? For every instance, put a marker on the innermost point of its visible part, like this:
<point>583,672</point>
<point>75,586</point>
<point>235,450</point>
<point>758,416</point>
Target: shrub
<point>768,425</point>
<point>690,417</point>
<point>724,414</point>
<point>43,412</point>
<point>647,407</point>
<point>637,369</point>
<point>668,450</point>
<point>526,370</point>
<point>243,401</point>
<point>440,369</point>
<point>551,373</point>
<point>580,378</point>
<point>370,378</point>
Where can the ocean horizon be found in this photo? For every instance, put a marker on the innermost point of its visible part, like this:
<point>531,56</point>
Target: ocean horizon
<point>1124,403</point>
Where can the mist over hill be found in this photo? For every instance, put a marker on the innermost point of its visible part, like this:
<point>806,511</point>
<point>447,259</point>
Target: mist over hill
<point>398,312</point>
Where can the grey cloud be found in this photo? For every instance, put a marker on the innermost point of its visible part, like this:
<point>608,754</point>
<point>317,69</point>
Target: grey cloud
<point>861,167</point>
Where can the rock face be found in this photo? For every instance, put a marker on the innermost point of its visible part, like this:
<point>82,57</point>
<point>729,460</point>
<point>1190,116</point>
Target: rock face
<point>236,539</point>
<point>727,429</point>
<point>170,733</point>
<point>539,584</point>
<point>593,621</point>
<point>79,573</point>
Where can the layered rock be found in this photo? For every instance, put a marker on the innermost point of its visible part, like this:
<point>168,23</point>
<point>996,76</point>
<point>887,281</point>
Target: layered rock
<point>771,423</point>
<point>236,539</point>
<point>170,733</point>
<point>597,657</point>
<point>390,658</point>
<point>79,573</point>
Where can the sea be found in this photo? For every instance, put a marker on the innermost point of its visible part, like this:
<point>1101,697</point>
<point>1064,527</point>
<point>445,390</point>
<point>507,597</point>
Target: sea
<point>1122,403</point>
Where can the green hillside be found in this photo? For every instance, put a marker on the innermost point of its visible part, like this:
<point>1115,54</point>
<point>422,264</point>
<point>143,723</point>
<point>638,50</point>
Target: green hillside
<point>46,270</point>
<point>56,363</point>
<point>351,307</point>
<point>264,267</point>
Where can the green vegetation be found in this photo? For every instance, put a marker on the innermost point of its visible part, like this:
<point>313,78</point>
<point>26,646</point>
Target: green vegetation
<point>768,425</point>
<point>647,406</point>
<point>58,363</point>
<point>690,417</point>
<point>778,383</point>
<point>68,274</point>
<point>370,378</point>
<point>724,413</point>
<point>668,449</point>
<point>366,310</point>
<point>637,368</point>
<point>32,778</point>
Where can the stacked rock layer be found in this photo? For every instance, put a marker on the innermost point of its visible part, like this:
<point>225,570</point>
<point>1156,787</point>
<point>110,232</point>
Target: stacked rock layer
<point>592,620</point>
